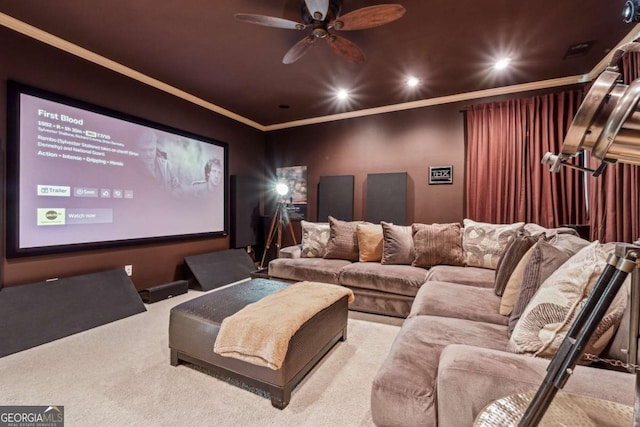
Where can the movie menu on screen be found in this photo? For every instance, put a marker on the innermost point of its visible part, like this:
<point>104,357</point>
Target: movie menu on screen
<point>65,137</point>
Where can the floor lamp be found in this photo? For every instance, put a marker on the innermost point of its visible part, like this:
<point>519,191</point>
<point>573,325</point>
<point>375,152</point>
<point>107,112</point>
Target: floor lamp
<point>280,220</point>
<point>607,124</point>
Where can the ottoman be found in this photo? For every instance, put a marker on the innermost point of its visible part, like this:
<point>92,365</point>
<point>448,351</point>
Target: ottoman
<point>194,325</point>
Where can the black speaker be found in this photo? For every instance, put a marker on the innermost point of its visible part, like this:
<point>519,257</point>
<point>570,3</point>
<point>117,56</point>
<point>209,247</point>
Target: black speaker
<point>335,197</point>
<point>41,312</point>
<point>387,198</point>
<point>215,269</point>
<point>160,292</point>
<point>245,210</point>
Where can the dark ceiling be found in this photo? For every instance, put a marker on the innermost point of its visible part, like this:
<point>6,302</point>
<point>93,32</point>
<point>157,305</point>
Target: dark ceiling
<point>198,47</point>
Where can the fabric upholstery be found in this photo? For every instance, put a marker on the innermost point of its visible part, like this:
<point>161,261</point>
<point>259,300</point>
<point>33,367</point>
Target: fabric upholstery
<point>397,244</point>
<point>394,279</point>
<point>533,229</point>
<point>315,236</point>
<point>309,269</point>
<point>369,242</point>
<point>546,320</point>
<point>510,258</point>
<point>403,391</point>
<point>436,244</point>
<point>457,301</point>
<point>469,378</point>
<point>343,241</point>
<point>472,276</point>
<point>545,259</point>
<point>483,243</point>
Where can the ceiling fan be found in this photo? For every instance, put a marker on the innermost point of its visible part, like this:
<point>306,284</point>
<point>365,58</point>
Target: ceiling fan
<point>323,17</point>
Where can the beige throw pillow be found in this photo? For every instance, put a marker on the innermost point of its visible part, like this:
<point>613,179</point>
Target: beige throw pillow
<point>436,244</point>
<point>510,258</point>
<point>315,236</point>
<point>512,289</point>
<point>397,244</point>
<point>483,243</point>
<point>369,242</point>
<point>549,315</point>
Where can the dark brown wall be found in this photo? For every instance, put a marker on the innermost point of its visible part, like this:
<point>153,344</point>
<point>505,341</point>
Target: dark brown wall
<point>408,141</point>
<point>34,63</point>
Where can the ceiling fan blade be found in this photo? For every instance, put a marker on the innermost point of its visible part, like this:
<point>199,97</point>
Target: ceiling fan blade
<point>298,50</point>
<point>369,17</point>
<point>345,48</point>
<point>269,21</point>
<point>317,8</point>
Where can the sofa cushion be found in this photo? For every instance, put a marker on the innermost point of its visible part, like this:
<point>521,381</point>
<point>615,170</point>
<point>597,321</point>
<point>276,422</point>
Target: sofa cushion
<point>457,301</point>
<point>545,259</point>
<point>469,378</point>
<point>403,391</point>
<point>343,241</point>
<point>369,242</point>
<point>394,279</point>
<point>311,269</point>
<point>315,236</point>
<point>510,258</point>
<point>472,276</point>
<point>483,243</point>
<point>397,244</point>
<point>546,320</point>
<point>435,244</point>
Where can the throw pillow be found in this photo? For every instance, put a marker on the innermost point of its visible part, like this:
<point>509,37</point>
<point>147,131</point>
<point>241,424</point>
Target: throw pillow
<point>512,289</point>
<point>343,241</point>
<point>315,236</point>
<point>545,259</point>
<point>397,244</point>
<point>369,242</point>
<point>510,258</point>
<point>550,313</point>
<point>483,243</point>
<point>437,244</point>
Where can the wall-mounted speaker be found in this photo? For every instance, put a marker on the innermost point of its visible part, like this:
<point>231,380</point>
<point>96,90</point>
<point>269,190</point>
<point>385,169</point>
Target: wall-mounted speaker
<point>244,203</point>
<point>387,198</point>
<point>335,198</point>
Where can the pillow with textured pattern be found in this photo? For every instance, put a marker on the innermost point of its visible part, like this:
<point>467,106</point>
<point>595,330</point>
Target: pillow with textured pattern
<point>436,244</point>
<point>315,236</point>
<point>483,243</point>
<point>510,258</point>
<point>552,310</point>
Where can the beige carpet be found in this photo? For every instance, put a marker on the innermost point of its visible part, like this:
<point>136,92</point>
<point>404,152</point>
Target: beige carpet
<point>119,375</point>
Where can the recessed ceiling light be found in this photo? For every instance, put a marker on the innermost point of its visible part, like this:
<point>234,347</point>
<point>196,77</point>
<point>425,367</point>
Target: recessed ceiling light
<point>342,94</point>
<point>502,64</point>
<point>412,81</point>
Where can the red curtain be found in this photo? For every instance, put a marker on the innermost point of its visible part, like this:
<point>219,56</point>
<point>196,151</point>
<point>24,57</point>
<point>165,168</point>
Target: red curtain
<point>505,180</point>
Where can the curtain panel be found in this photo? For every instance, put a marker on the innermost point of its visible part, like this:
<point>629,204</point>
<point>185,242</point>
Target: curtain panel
<point>505,180</point>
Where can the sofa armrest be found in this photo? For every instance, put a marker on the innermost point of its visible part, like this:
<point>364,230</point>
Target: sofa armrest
<point>469,378</point>
<point>291,252</point>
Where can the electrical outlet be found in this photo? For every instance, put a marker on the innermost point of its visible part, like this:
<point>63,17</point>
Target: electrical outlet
<point>128,269</point>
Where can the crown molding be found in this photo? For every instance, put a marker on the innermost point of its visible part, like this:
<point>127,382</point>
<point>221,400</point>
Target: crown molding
<point>66,46</point>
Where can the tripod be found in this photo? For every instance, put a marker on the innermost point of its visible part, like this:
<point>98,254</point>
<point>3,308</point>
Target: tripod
<point>573,346</point>
<point>280,219</point>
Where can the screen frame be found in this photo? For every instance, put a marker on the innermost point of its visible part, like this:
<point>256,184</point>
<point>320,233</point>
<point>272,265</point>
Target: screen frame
<point>12,166</point>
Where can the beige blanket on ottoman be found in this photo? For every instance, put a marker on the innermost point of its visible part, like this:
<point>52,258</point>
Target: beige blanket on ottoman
<point>260,332</point>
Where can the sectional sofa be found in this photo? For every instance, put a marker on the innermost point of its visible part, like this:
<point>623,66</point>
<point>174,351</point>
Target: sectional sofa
<point>476,300</point>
